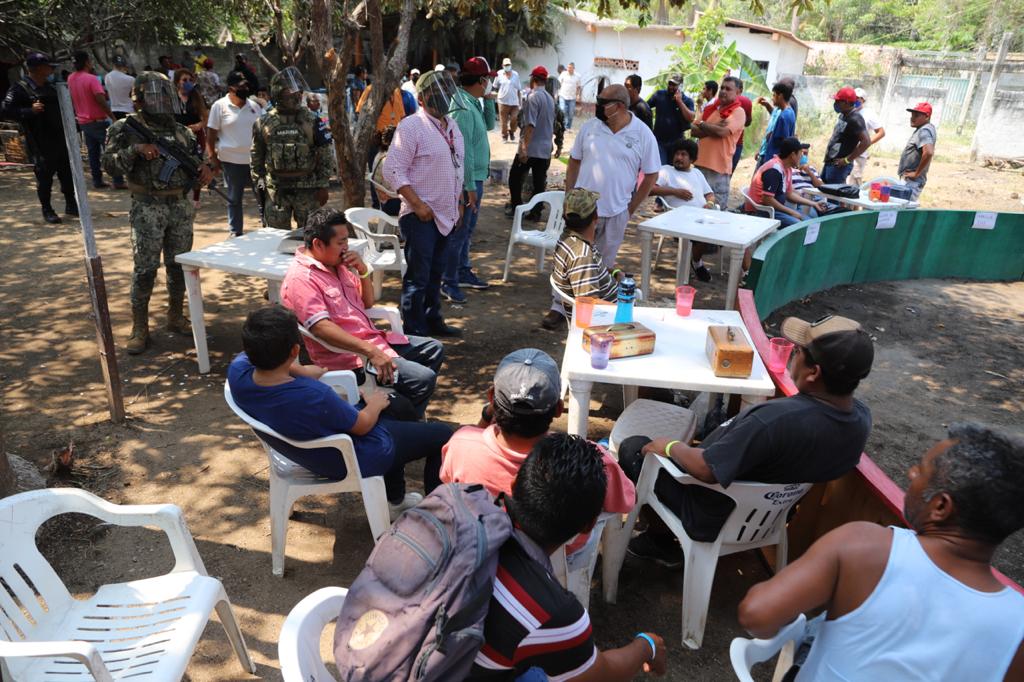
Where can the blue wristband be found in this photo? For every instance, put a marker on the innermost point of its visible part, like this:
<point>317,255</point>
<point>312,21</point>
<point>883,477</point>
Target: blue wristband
<point>650,640</point>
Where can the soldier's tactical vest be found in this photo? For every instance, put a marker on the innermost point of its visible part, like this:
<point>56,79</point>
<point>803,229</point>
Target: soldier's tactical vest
<point>290,144</point>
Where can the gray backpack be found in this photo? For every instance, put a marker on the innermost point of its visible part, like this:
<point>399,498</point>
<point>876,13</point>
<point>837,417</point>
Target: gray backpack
<point>417,609</point>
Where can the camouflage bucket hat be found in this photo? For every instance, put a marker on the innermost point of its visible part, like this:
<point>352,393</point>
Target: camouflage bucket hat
<point>581,201</point>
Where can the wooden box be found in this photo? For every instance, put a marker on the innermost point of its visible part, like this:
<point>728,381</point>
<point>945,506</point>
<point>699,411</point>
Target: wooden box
<point>728,352</point>
<point>630,339</point>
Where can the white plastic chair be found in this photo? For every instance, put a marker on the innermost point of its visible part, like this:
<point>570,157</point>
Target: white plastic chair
<point>575,571</point>
<point>379,259</point>
<point>379,312</point>
<point>745,191</point>
<point>758,520</point>
<point>298,648</point>
<point>654,419</point>
<point>144,630</point>
<point>290,481</point>
<point>744,653</point>
<point>542,240</point>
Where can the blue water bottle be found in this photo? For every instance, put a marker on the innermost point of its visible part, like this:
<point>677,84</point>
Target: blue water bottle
<point>627,294</point>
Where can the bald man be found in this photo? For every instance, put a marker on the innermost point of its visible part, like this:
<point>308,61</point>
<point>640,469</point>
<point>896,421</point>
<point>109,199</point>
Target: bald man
<point>610,151</point>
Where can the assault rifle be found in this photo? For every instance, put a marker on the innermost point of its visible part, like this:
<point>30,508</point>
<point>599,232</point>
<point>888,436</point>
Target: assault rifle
<point>174,154</point>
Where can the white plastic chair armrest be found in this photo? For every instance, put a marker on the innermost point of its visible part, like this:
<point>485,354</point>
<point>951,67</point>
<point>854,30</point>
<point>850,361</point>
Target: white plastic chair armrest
<point>83,652</point>
<point>389,313</point>
<point>310,335</point>
<point>167,517</point>
<point>343,382</point>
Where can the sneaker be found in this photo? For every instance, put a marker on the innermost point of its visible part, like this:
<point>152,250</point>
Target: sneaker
<point>664,552</point>
<point>453,294</point>
<point>553,321</point>
<point>702,273</point>
<point>408,502</point>
<point>471,281</point>
<point>443,329</point>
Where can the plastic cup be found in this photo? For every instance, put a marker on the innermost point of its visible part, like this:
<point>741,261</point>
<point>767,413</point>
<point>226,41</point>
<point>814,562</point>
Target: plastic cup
<point>876,188</point>
<point>584,311</point>
<point>684,300</point>
<point>600,350</point>
<point>779,350</point>
<point>883,194</point>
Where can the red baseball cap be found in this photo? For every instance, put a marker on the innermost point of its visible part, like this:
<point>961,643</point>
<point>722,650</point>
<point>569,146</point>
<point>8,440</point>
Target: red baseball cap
<point>477,66</point>
<point>922,108</point>
<point>846,94</point>
<point>539,72</point>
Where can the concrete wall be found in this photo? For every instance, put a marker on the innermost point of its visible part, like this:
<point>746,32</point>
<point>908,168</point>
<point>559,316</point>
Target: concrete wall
<point>999,134</point>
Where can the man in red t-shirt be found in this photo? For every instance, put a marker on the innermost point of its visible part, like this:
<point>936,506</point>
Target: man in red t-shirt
<point>93,115</point>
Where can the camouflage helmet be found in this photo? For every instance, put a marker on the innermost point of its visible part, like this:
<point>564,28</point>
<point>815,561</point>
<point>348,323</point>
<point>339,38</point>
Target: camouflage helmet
<point>286,89</point>
<point>156,93</point>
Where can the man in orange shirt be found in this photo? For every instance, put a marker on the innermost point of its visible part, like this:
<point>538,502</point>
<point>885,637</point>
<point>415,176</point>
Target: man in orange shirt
<point>719,134</point>
<point>390,115</point>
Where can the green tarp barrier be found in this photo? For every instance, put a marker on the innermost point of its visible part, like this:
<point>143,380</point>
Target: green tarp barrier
<point>850,248</point>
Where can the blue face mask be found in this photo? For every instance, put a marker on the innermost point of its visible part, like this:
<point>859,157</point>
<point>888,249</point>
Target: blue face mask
<point>835,107</point>
<point>52,78</point>
<point>188,86</point>
<point>804,160</point>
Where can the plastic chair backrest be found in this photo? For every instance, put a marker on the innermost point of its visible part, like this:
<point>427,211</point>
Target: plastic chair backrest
<point>745,191</point>
<point>744,653</point>
<point>760,507</point>
<point>298,648</point>
<point>555,200</point>
<point>365,218</point>
<point>559,294</point>
<point>341,442</point>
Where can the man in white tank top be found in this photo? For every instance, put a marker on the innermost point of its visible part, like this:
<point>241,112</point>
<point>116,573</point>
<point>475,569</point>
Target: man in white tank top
<point>919,604</point>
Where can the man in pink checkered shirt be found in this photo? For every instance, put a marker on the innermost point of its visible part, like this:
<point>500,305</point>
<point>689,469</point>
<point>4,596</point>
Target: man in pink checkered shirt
<point>424,164</point>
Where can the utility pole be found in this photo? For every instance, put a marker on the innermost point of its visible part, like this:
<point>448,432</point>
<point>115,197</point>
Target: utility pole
<point>93,263</point>
<point>972,85</point>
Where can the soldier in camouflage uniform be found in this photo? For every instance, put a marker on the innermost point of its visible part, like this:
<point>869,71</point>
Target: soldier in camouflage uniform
<point>291,154</point>
<point>161,213</point>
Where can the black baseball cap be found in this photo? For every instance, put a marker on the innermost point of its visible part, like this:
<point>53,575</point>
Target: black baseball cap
<point>236,78</point>
<point>527,382</point>
<point>119,60</point>
<point>838,344</point>
<point>790,145</point>
<point>39,59</point>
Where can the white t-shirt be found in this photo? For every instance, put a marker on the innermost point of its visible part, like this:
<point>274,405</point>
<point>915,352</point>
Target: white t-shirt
<point>692,180</point>
<point>871,122</point>
<point>119,87</point>
<point>234,127</point>
<point>409,86</point>
<point>610,162</point>
<point>508,85</point>
<point>570,84</point>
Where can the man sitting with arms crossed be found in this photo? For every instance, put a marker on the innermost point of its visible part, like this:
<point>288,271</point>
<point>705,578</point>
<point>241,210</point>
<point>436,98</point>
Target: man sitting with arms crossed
<point>328,288</point>
<point>918,603</point>
<point>533,624</point>
<point>816,435</point>
<point>680,184</point>
<point>521,405</point>
<point>269,384</point>
<point>579,269</point>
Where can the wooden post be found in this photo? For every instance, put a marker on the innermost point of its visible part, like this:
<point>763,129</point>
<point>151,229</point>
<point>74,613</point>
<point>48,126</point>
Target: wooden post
<point>990,91</point>
<point>890,85</point>
<point>93,263</point>
<point>972,85</point>
<point>794,22</point>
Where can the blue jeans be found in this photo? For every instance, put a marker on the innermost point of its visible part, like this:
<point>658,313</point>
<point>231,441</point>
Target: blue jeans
<point>236,179</point>
<point>459,241</point>
<point>426,250</point>
<point>736,155</point>
<point>663,152</point>
<point>418,363</point>
<point>569,110</point>
<point>414,440</point>
<point>95,133</point>
<point>832,174</point>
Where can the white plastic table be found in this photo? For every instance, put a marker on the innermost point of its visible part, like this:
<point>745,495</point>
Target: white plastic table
<point>254,254</point>
<point>678,361</point>
<point>865,202</point>
<point>733,231</point>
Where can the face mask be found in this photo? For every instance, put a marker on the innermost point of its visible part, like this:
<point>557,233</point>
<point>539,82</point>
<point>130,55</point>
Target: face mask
<point>242,92</point>
<point>52,78</point>
<point>188,87</point>
<point>835,107</point>
<point>507,68</point>
<point>804,160</point>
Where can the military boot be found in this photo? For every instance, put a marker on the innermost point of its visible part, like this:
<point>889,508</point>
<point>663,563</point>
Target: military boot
<point>176,320</point>
<point>139,339</point>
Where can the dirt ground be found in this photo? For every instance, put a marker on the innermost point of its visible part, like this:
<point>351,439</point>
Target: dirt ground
<point>182,444</point>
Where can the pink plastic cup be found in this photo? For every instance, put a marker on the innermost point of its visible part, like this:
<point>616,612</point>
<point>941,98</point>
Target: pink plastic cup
<point>875,191</point>
<point>584,311</point>
<point>684,300</point>
<point>600,350</point>
<point>779,350</point>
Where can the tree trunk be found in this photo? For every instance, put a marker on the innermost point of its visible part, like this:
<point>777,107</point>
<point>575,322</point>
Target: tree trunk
<point>661,17</point>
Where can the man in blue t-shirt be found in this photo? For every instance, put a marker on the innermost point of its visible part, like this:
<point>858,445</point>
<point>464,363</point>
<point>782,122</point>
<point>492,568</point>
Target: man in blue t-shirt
<point>781,123</point>
<point>673,114</point>
<point>269,384</point>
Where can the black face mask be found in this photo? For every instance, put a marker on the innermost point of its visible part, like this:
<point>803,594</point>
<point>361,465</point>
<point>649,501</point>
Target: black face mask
<point>242,92</point>
<point>600,112</point>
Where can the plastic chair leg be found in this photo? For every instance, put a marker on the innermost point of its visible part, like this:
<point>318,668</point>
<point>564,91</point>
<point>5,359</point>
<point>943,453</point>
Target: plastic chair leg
<point>375,501</point>
<point>378,283</point>
<point>782,551</point>
<point>541,252</point>
<point>234,633</point>
<point>698,576</point>
<point>615,543</point>
<point>279,508</point>
<point>508,258</point>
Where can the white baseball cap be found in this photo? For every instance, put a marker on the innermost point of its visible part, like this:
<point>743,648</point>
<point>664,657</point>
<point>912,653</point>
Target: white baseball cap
<point>861,93</point>
<point>506,62</point>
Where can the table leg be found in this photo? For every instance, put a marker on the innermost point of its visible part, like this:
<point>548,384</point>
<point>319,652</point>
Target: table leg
<point>735,269</point>
<point>579,405</point>
<point>194,289</point>
<point>645,262</point>
<point>629,394</point>
<point>683,261</point>
<point>751,400</point>
<point>274,291</point>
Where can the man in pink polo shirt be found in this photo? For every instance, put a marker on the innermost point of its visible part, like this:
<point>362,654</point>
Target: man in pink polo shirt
<point>93,114</point>
<point>525,398</point>
<point>328,288</point>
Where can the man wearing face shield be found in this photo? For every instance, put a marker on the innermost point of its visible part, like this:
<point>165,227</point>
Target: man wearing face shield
<point>425,166</point>
<point>291,154</point>
<point>161,213</point>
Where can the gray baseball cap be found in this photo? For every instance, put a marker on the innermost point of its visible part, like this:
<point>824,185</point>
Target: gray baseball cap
<point>527,382</point>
